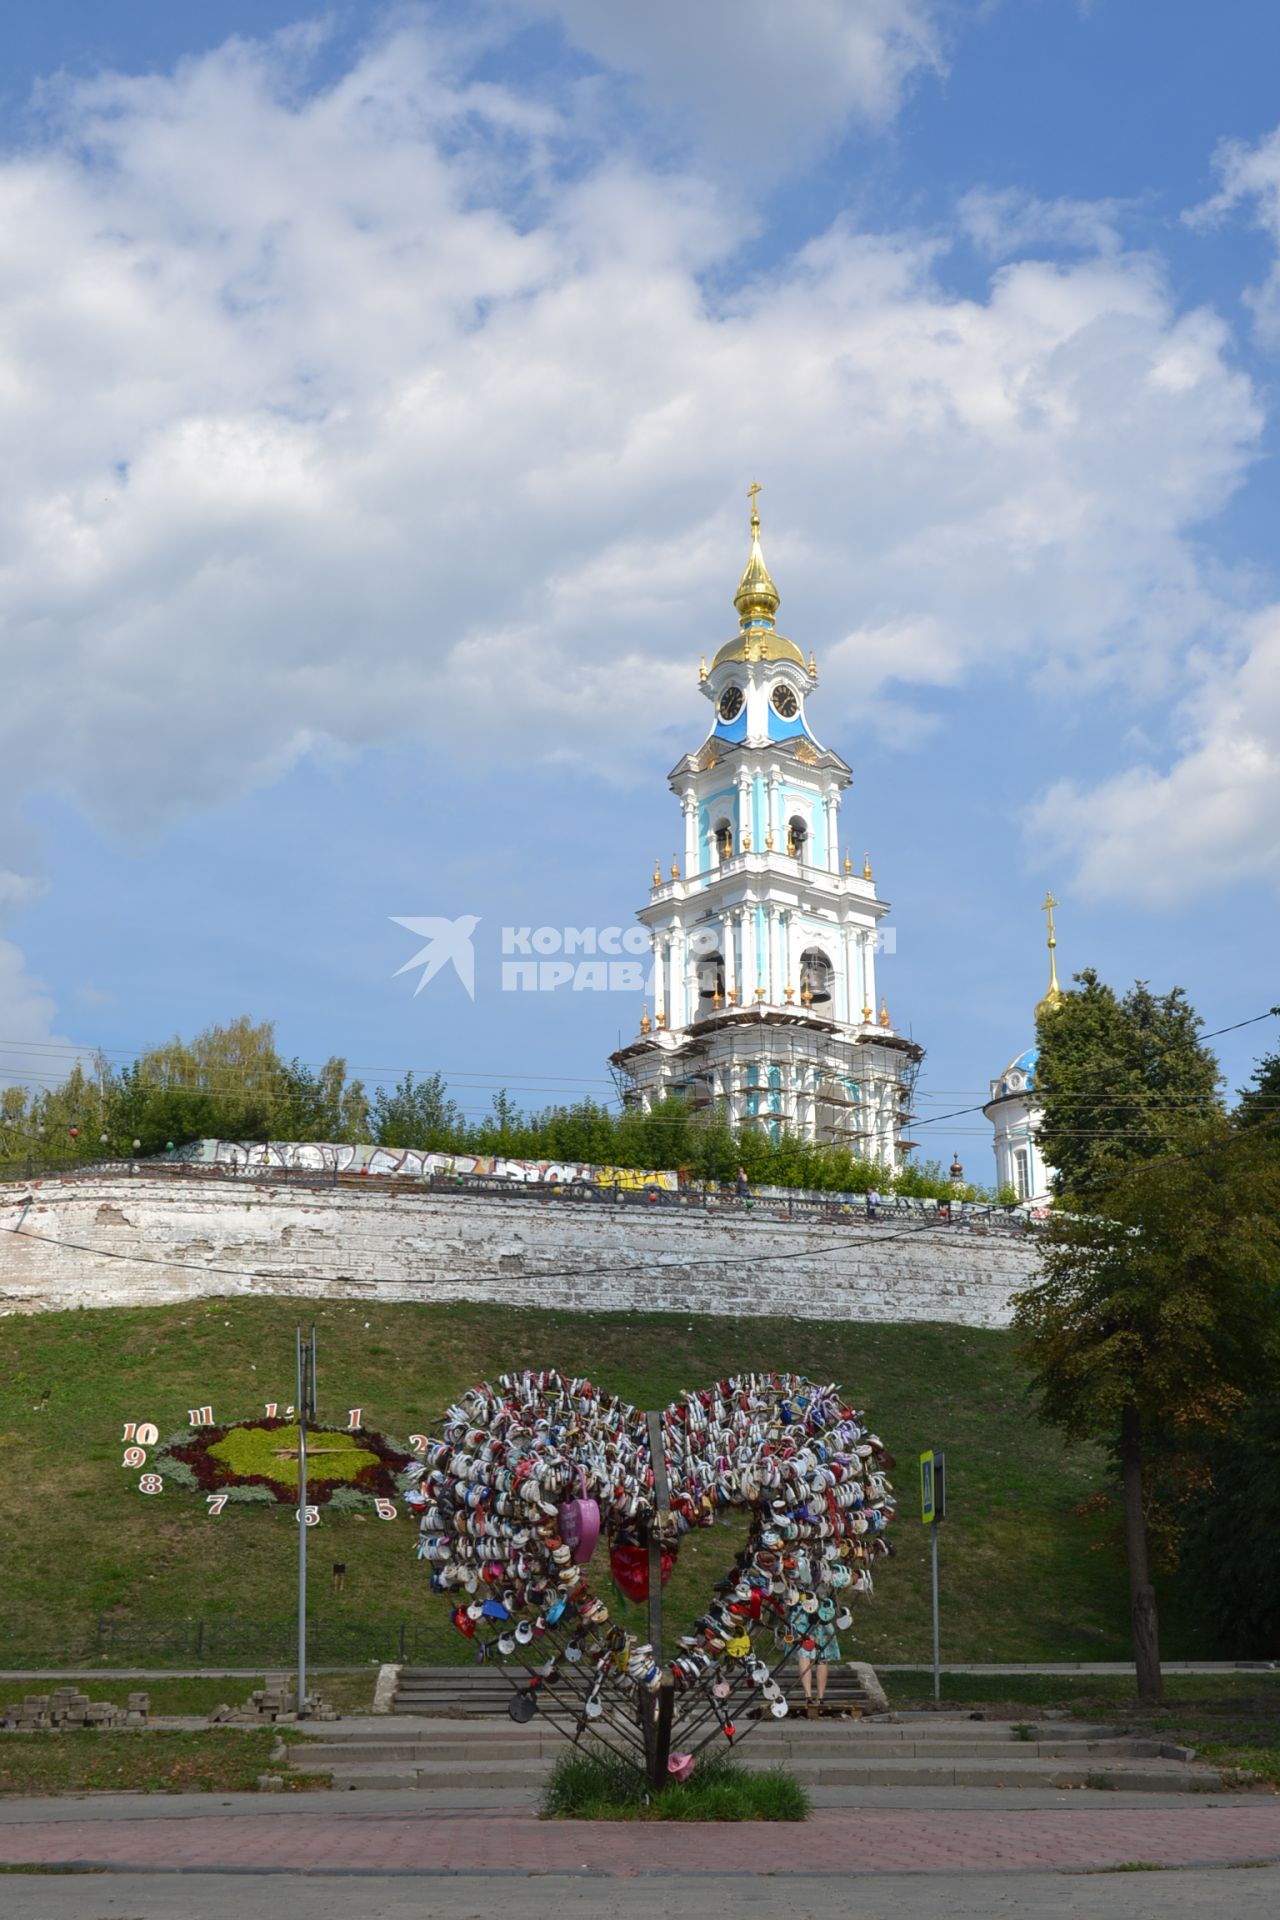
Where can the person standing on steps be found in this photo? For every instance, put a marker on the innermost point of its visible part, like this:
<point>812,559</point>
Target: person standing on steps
<point>743,1184</point>
<point>818,1648</point>
<point>873,1203</point>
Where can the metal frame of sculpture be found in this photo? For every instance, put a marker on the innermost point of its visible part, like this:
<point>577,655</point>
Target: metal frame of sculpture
<point>494,1492</point>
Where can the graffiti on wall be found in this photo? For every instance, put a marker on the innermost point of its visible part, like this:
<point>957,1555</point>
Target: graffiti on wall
<point>320,1156</point>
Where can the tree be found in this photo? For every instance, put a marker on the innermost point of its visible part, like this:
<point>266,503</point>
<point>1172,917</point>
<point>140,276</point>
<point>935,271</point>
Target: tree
<point>418,1113</point>
<point>1118,1079</point>
<point>1229,1550</point>
<point>1156,1316</point>
<point>1260,1100</point>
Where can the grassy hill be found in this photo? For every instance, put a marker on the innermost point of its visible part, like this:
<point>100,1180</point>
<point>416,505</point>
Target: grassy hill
<point>86,1557</point>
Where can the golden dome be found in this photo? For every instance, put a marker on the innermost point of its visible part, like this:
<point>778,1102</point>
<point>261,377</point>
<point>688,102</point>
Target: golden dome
<point>757,602</point>
<point>760,644</point>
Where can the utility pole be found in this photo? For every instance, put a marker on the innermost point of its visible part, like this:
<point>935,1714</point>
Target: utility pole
<point>656,1709</point>
<point>306,1356</point>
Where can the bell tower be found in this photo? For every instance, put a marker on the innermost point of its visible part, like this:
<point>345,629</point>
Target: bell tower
<point>764,939</point>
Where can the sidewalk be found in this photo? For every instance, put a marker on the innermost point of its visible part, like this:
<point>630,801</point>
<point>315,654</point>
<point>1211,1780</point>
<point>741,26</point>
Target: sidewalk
<point>193,1835</point>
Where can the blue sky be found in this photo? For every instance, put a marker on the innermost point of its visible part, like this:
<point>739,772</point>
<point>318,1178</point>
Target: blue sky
<point>381,387</point>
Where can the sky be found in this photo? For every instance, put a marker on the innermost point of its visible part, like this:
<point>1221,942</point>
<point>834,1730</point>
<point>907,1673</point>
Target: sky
<point>380,389</point>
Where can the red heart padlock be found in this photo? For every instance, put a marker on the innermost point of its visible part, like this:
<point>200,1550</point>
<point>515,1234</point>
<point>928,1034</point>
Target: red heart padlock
<point>630,1568</point>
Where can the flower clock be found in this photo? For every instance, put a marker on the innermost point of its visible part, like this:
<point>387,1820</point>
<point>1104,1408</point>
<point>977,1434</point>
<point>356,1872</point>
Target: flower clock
<point>257,1461</point>
<point>513,1489</point>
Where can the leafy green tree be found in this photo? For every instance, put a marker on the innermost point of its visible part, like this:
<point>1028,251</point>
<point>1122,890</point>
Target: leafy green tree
<point>1229,1551</point>
<point>320,1103</point>
<point>1118,1079</point>
<point>1156,1317</point>
<point>418,1113</point>
<point>1260,1100</point>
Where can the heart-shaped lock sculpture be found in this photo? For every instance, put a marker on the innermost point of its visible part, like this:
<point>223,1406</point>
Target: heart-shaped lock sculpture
<point>505,1493</point>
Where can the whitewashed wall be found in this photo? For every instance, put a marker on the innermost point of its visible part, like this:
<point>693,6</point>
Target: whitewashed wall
<point>60,1242</point>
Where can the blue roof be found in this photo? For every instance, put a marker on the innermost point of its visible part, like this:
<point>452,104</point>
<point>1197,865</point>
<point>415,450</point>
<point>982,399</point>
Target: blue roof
<point>1024,1064</point>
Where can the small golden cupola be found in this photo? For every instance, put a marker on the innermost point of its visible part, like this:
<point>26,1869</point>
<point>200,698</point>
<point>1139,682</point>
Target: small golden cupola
<point>757,598</point>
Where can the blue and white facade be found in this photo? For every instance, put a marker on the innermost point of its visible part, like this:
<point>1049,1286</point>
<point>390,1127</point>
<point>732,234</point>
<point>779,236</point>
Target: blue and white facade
<point>1014,1116</point>
<point>764,938</point>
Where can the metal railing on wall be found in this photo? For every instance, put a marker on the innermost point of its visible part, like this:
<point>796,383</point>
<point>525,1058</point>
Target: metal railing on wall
<point>774,1203</point>
<point>215,1642</point>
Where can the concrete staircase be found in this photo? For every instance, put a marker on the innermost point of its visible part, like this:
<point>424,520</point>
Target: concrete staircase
<point>468,1692</point>
<point>459,1756</point>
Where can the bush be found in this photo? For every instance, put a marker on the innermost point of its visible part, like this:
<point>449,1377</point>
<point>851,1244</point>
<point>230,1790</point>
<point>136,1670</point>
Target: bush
<point>598,1786</point>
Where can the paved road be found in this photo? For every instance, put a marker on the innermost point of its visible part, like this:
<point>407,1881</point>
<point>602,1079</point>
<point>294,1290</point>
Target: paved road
<point>843,1843</point>
<point>1190,1895</point>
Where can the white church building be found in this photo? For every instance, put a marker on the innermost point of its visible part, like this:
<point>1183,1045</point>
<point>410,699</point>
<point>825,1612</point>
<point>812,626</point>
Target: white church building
<point>764,938</point>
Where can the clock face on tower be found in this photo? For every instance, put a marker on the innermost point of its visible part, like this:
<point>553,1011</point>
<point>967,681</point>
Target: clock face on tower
<point>785,702</point>
<point>730,705</point>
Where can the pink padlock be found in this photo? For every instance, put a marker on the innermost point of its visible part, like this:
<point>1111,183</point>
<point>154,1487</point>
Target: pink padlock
<point>580,1524</point>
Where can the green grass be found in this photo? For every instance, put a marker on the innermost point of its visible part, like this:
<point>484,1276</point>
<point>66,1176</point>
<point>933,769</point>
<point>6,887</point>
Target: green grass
<point>1022,1576</point>
<point>586,1786</point>
<point>1083,1694</point>
<point>1231,1719</point>
<point>221,1760</point>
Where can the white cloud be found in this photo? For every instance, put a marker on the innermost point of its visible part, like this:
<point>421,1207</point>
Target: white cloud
<point>28,1043</point>
<point>347,416</point>
<point>1250,176</point>
<point>1008,221</point>
<point>1211,819</point>
<point>761,84</point>
<point>18,890</point>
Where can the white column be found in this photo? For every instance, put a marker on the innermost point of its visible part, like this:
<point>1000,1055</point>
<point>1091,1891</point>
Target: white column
<point>730,958</point>
<point>772,991</point>
<point>750,965</point>
<point>744,814</point>
<point>659,984</point>
<point>779,837</point>
<point>831,804</point>
<point>869,972</point>
<point>852,976</point>
<point>690,804</point>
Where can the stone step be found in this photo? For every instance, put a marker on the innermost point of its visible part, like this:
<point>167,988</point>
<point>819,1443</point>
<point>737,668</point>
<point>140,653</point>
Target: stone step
<point>1136,1776</point>
<point>877,1735</point>
<point>320,1754</point>
<point>486,1690</point>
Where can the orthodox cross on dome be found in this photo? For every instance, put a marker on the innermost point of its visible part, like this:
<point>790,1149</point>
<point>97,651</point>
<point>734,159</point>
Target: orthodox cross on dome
<point>757,597</point>
<point>1054,993</point>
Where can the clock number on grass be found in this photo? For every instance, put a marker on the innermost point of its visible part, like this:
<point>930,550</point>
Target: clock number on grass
<point>146,1435</point>
<point>353,1419</point>
<point>385,1509</point>
<point>200,1416</point>
<point>151,1483</point>
<point>313,1515</point>
<point>418,1441</point>
<point>215,1502</point>
<point>134,1457</point>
